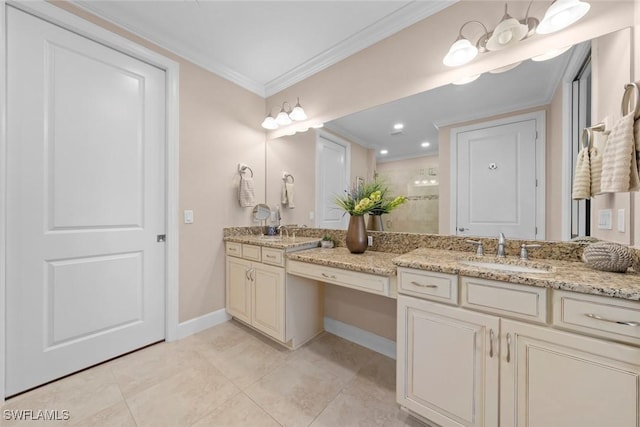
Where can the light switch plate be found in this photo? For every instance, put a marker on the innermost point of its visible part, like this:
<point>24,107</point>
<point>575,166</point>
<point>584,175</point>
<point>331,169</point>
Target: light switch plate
<point>188,217</point>
<point>604,219</point>
<point>620,221</point>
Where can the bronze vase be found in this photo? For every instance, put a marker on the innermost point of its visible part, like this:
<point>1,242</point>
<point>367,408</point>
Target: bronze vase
<point>375,223</point>
<point>356,235</point>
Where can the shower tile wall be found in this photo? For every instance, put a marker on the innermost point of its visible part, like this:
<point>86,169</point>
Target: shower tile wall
<point>421,187</point>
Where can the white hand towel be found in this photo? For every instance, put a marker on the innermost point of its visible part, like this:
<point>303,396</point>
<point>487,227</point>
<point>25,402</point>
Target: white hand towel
<point>582,178</point>
<point>619,167</point>
<point>289,186</point>
<point>595,160</point>
<point>246,192</point>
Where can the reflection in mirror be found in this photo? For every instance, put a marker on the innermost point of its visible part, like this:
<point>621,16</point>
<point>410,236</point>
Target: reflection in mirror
<point>409,157</point>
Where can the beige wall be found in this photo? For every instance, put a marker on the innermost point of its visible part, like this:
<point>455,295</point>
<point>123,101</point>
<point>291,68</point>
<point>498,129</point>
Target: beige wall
<point>611,68</point>
<point>373,313</point>
<point>219,128</point>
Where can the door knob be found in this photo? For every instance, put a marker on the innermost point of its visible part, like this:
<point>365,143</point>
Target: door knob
<point>461,229</point>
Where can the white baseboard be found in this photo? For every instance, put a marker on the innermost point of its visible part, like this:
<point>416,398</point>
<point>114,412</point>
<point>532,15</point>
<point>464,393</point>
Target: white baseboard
<point>366,339</point>
<point>201,323</point>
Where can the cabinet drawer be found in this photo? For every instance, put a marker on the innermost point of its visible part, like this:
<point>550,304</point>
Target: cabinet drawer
<point>251,252</point>
<point>234,249</point>
<point>273,256</point>
<point>366,282</point>
<point>505,299</point>
<point>429,285</point>
<point>596,315</point>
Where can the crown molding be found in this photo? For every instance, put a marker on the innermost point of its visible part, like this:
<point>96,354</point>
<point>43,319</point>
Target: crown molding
<point>394,22</point>
<point>182,51</point>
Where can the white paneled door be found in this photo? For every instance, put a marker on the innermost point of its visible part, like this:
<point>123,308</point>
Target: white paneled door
<point>85,202</point>
<point>496,180</point>
<point>332,179</point>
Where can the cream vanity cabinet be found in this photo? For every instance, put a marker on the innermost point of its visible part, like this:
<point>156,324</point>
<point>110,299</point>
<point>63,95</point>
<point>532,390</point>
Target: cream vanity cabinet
<point>475,352</point>
<point>259,293</point>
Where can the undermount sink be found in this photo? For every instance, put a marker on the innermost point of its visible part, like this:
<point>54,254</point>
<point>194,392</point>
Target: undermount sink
<point>508,268</point>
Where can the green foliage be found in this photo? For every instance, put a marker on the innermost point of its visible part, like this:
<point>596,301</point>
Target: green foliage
<point>369,198</point>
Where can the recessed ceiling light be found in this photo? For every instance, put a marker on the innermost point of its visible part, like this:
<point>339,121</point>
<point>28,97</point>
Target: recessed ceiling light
<point>398,126</point>
<point>425,144</point>
<point>384,152</point>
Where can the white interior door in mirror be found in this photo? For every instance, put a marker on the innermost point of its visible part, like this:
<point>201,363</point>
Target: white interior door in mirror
<point>85,203</point>
<point>496,180</point>
<point>332,179</point>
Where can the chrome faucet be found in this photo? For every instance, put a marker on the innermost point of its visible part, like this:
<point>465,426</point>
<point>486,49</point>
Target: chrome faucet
<point>501,242</point>
<point>282,227</point>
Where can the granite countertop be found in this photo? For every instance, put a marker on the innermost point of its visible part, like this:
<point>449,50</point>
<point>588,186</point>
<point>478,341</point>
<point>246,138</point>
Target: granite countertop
<point>564,275</point>
<point>287,243</point>
<point>372,262</point>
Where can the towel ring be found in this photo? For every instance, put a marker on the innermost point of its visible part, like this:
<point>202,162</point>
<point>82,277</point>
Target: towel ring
<point>243,168</point>
<point>587,134</point>
<point>631,100</point>
<point>286,177</point>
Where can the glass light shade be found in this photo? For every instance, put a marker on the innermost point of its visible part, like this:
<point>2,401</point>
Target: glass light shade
<point>551,54</point>
<point>298,113</point>
<point>561,14</point>
<point>269,123</point>
<point>508,32</point>
<point>461,52</point>
<point>283,118</point>
<point>317,126</point>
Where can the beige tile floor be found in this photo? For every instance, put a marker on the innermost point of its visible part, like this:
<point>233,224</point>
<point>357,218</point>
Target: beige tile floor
<point>227,375</point>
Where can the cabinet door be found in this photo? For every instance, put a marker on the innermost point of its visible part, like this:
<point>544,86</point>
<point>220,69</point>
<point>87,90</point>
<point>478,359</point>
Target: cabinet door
<point>551,378</point>
<point>447,363</point>
<point>268,300</point>
<point>238,287</point>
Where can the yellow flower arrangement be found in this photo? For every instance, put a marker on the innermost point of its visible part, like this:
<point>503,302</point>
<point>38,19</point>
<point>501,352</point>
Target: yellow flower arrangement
<point>368,198</point>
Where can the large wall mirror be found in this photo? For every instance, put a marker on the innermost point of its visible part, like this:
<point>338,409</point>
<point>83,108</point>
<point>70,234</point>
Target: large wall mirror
<point>416,160</point>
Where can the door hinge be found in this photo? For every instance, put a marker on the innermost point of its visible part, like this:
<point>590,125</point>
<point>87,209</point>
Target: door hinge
<point>161,238</point>
<point>536,182</point>
<point>536,231</point>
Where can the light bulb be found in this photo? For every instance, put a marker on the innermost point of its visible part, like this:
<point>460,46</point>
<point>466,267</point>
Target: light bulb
<point>461,52</point>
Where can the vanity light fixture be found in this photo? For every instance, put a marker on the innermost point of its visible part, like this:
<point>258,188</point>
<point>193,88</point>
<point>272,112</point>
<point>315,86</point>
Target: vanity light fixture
<point>561,14</point>
<point>285,117</point>
<point>508,32</point>
<point>511,31</point>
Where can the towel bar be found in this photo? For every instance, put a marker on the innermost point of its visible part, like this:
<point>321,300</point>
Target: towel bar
<point>587,134</point>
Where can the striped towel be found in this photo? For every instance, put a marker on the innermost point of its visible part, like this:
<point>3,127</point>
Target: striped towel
<point>595,160</point>
<point>582,178</point>
<point>619,164</point>
<point>246,192</point>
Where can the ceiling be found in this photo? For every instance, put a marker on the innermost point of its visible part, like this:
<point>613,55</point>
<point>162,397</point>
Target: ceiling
<point>530,84</point>
<point>263,46</point>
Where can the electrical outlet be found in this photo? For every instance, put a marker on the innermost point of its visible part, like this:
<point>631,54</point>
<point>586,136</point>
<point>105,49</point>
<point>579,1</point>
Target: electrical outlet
<point>370,240</point>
